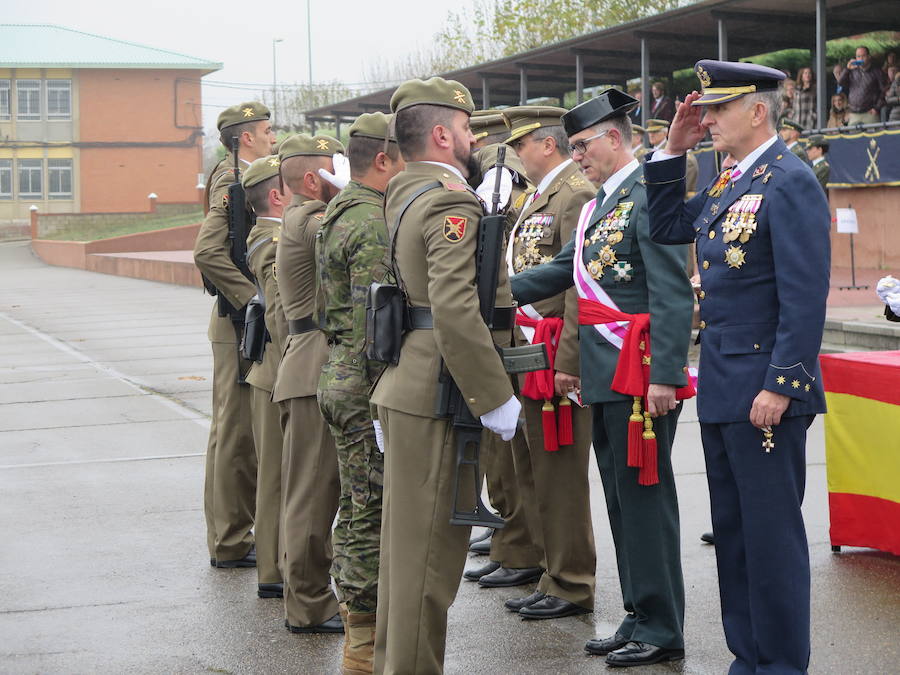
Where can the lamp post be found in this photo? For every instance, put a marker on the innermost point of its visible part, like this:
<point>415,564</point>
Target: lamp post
<point>275,41</point>
<point>309,43</point>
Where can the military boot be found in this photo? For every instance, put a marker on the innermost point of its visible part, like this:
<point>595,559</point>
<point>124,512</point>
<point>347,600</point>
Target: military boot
<point>359,644</point>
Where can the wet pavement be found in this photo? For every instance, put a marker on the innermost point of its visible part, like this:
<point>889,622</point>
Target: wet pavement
<point>104,403</point>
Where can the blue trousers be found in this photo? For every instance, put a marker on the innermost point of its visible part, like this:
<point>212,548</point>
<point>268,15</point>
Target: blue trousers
<point>761,549</point>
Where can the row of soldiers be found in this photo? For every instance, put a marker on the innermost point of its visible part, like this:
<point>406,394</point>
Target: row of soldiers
<point>316,430</point>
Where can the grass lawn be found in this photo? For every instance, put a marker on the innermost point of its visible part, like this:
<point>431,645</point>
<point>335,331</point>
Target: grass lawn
<point>91,232</point>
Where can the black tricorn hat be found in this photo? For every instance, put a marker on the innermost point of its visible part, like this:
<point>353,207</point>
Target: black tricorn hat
<point>610,103</point>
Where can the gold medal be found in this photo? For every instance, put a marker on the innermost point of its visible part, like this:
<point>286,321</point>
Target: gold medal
<point>615,237</point>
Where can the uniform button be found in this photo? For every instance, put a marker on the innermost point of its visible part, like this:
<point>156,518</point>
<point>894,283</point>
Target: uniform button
<point>712,234</point>
<point>702,325</point>
<point>702,295</point>
<point>471,400</point>
<point>755,346</point>
<point>706,264</point>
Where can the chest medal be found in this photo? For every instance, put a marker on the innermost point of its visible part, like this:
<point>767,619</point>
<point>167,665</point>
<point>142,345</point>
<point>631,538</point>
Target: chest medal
<point>740,221</point>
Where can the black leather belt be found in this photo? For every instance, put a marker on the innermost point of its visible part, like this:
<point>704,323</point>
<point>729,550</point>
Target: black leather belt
<point>300,326</point>
<point>420,318</point>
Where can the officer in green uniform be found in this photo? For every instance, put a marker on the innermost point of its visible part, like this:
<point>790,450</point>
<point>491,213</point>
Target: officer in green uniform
<point>790,131</point>
<point>265,194</point>
<point>309,475</point>
<point>551,456</point>
<point>422,555</point>
<point>816,149</point>
<point>623,279</point>
<point>350,250</point>
<point>637,141</point>
<point>513,544</point>
<point>230,484</point>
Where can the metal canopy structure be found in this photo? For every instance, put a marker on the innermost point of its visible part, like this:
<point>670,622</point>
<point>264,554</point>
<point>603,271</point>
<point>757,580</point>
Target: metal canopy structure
<point>655,47</point>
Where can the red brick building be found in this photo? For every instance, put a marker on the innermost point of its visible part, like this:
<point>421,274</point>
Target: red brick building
<point>93,124</point>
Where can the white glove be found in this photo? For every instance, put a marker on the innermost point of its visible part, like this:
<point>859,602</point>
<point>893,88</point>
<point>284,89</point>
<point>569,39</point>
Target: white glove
<point>503,420</point>
<point>341,175</point>
<point>888,290</point>
<point>486,189</point>
<point>379,435</point>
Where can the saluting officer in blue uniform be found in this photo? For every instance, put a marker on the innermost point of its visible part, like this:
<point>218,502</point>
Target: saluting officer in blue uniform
<point>763,252</point>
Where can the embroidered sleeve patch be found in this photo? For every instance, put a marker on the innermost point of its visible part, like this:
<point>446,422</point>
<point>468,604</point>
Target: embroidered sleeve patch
<point>454,228</point>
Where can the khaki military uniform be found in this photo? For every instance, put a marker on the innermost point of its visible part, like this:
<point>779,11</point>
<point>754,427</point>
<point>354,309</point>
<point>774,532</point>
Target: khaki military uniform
<point>422,555</point>
<point>558,511</point>
<point>823,173</point>
<point>266,417</point>
<point>230,481</point>
<point>309,474</point>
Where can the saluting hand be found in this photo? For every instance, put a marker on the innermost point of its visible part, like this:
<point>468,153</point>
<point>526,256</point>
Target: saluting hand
<point>686,131</point>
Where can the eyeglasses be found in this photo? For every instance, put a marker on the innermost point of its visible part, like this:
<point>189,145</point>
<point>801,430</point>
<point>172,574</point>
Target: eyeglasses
<point>581,146</point>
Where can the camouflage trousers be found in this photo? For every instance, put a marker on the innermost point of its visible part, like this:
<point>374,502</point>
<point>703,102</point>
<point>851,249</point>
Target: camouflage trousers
<point>344,402</point>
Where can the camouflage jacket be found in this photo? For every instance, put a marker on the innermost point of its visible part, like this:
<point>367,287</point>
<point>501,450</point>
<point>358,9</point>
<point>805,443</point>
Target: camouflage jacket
<point>350,250</point>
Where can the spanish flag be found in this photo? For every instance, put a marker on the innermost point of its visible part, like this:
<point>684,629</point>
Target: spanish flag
<point>862,446</point>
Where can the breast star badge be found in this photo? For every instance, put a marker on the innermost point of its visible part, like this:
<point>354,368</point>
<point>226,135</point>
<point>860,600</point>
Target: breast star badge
<point>735,257</point>
<point>622,271</point>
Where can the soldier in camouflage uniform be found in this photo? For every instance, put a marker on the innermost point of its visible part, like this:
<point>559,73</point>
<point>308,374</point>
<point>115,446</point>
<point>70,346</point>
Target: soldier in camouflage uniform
<point>350,248</point>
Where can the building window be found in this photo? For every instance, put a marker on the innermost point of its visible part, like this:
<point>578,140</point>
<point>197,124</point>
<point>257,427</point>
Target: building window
<point>59,178</point>
<point>4,99</point>
<point>28,98</point>
<point>30,171</point>
<point>59,99</point>
<point>5,179</point>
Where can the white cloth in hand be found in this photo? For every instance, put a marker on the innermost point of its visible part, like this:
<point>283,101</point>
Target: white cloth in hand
<point>341,175</point>
<point>888,290</point>
<point>503,420</point>
<point>486,189</point>
<point>379,435</point>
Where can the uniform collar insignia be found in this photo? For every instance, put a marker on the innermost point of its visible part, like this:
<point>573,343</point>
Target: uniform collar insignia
<point>760,170</point>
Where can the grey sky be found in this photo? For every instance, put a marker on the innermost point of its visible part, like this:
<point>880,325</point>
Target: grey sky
<point>345,33</point>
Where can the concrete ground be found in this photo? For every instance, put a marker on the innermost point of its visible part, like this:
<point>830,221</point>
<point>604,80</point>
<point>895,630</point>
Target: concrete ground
<point>104,410</point>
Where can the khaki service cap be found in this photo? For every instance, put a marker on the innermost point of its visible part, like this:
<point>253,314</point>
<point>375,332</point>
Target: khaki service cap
<point>657,125</point>
<point>487,123</point>
<point>524,119</point>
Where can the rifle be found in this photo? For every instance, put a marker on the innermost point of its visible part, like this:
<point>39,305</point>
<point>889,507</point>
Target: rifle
<point>468,428</point>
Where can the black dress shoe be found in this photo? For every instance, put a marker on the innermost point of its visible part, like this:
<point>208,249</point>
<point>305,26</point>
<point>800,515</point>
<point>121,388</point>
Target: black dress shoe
<point>641,654</point>
<point>482,547</point>
<point>606,645</point>
<point>212,562</point>
<point>486,534</point>
<point>248,560</point>
<point>270,590</point>
<point>507,576</point>
<point>478,572</point>
<point>551,607</point>
<point>332,625</point>
<point>515,604</point>
<point>707,538</point>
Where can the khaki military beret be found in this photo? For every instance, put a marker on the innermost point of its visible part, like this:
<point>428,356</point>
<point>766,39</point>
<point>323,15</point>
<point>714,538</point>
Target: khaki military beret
<point>260,170</point>
<point>657,125</point>
<point>304,144</point>
<point>487,123</point>
<point>372,125</point>
<point>251,111</point>
<point>524,119</point>
<point>435,91</point>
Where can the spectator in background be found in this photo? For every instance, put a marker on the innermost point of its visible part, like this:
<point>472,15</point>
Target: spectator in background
<point>891,110</point>
<point>864,84</point>
<point>788,88</point>
<point>816,149</point>
<point>838,115</point>
<point>890,61</point>
<point>836,71</point>
<point>662,108</point>
<point>804,100</point>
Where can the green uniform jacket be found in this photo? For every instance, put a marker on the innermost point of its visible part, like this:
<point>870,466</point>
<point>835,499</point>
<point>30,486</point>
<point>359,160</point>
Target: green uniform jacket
<point>823,173</point>
<point>655,282</point>
<point>261,261</point>
<point>800,151</point>
<point>212,255</point>
<point>435,255</point>
<point>295,260</point>
<point>350,250</point>
<point>543,228</point>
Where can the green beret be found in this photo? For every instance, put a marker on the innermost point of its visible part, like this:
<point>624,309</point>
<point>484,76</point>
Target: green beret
<point>524,119</point>
<point>657,125</point>
<point>790,124</point>
<point>251,111</point>
<point>372,125</point>
<point>487,123</point>
<point>304,144</point>
<point>261,169</point>
<point>435,91</point>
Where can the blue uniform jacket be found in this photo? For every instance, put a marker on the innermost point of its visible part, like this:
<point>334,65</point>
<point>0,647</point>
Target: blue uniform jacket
<point>762,305</point>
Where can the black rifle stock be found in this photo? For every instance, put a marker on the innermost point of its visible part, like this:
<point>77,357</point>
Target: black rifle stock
<point>468,428</point>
